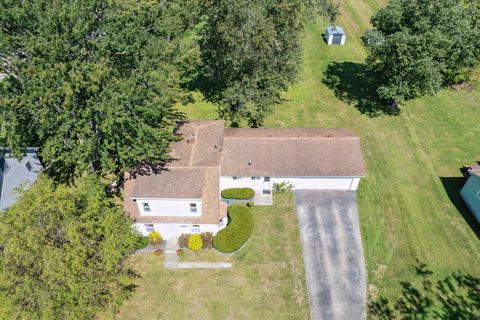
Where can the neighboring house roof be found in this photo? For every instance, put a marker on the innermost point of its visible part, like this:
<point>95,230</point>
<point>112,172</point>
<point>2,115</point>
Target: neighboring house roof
<point>475,172</point>
<point>335,30</point>
<point>291,152</point>
<point>17,173</point>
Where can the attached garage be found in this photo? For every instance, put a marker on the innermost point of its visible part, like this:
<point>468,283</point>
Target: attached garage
<point>320,183</point>
<point>321,159</point>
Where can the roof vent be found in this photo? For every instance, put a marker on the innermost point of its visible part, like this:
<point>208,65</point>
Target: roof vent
<point>249,162</point>
<point>190,139</point>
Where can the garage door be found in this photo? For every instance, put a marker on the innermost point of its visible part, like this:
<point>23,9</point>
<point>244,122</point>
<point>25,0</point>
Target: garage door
<point>320,183</point>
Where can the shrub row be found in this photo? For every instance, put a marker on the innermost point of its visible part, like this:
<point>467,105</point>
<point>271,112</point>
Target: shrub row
<point>238,193</point>
<point>207,239</point>
<point>238,230</point>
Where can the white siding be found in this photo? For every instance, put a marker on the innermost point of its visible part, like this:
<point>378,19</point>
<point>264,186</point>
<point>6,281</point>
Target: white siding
<point>321,183</point>
<point>173,230</point>
<point>306,183</point>
<point>170,207</point>
<point>244,182</point>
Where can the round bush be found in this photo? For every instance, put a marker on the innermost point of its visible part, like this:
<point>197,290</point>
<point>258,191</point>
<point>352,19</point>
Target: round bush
<point>238,193</point>
<point>141,243</point>
<point>195,242</point>
<point>237,232</point>
<point>155,238</point>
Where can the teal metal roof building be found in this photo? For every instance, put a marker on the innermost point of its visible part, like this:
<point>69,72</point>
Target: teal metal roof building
<point>471,192</point>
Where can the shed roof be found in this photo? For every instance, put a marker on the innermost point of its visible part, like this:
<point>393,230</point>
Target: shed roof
<point>336,30</point>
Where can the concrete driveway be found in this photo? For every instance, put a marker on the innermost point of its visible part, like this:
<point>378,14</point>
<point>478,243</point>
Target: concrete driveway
<point>333,254</point>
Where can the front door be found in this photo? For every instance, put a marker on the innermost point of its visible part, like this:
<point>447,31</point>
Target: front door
<point>266,186</point>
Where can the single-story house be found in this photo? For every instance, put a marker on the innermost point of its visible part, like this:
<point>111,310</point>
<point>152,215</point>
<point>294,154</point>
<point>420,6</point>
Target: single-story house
<point>185,197</point>
<point>17,173</point>
<point>335,35</point>
<point>471,192</point>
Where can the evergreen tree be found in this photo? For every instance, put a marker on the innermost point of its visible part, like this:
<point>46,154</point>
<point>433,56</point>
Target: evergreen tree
<point>94,83</point>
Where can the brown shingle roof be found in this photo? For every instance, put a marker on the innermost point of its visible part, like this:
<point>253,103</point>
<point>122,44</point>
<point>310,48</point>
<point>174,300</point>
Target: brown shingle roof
<point>291,152</point>
<point>180,182</point>
<point>207,148</point>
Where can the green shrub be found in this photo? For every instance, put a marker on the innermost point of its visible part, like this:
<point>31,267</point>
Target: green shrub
<point>207,238</point>
<point>238,193</point>
<point>183,240</point>
<point>195,242</point>
<point>141,243</point>
<point>155,238</point>
<point>238,230</point>
<point>284,186</point>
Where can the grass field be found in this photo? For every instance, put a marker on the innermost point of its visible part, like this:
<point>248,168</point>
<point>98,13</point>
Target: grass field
<point>412,159</point>
<point>267,280</point>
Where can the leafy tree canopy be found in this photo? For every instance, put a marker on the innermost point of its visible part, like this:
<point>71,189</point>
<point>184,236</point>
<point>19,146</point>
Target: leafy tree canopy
<point>63,252</point>
<point>251,52</point>
<point>417,46</point>
<point>94,83</point>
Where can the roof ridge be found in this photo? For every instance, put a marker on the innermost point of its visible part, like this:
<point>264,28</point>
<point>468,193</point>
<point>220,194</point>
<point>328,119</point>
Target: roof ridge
<point>290,138</point>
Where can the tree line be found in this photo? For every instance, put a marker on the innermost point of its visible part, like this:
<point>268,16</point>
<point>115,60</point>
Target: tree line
<point>94,85</point>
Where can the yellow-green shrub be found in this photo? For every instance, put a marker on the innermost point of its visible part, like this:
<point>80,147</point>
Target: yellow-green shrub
<point>195,242</point>
<point>155,238</point>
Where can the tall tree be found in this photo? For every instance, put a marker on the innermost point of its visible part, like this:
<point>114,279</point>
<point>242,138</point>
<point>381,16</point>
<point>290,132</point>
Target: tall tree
<point>251,52</point>
<point>94,83</point>
<point>63,252</point>
<point>418,46</point>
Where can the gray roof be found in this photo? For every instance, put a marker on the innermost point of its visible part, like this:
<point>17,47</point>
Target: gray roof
<point>15,174</point>
<point>335,30</point>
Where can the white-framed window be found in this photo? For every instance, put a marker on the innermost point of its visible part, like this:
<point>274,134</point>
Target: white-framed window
<point>255,178</point>
<point>193,207</point>
<point>196,228</point>
<point>237,178</point>
<point>146,207</point>
<point>149,227</point>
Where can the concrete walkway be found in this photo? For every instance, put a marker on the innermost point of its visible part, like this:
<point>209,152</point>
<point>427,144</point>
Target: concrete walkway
<point>204,265</point>
<point>333,254</point>
<point>262,199</point>
<point>171,259</point>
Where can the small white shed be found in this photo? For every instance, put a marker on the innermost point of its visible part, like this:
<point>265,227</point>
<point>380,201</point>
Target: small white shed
<point>335,35</point>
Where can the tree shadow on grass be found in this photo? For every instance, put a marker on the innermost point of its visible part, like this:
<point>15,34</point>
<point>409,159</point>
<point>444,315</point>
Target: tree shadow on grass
<point>353,85</point>
<point>452,186</point>
<point>456,296</point>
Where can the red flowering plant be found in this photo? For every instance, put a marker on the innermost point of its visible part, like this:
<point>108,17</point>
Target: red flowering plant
<point>158,252</point>
<point>179,251</point>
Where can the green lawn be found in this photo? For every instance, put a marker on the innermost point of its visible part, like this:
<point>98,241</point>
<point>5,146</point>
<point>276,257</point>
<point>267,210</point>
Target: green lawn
<point>405,210</point>
<point>267,280</point>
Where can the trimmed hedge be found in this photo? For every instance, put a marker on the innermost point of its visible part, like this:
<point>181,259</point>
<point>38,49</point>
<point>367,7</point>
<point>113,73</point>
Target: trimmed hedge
<point>238,193</point>
<point>238,230</point>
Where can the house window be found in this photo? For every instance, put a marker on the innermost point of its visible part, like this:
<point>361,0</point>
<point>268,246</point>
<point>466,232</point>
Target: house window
<point>193,207</point>
<point>149,227</point>
<point>237,178</point>
<point>255,178</point>
<point>196,228</point>
<point>28,165</point>
<point>146,207</point>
